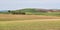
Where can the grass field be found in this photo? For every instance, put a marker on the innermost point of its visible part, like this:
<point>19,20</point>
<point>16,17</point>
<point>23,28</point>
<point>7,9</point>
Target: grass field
<point>30,25</point>
<point>29,22</point>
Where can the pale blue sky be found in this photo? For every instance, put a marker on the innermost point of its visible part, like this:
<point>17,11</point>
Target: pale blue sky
<point>18,4</point>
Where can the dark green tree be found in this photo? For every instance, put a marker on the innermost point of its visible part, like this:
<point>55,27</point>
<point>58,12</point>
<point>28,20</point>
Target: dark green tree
<point>9,11</point>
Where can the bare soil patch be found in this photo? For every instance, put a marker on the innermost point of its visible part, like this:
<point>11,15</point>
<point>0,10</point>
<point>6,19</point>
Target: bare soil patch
<point>30,21</point>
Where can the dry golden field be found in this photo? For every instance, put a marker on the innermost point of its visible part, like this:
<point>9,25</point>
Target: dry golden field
<point>9,16</point>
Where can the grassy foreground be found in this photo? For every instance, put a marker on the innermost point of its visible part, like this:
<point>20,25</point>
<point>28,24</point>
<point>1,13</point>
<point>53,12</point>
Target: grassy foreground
<point>38,25</point>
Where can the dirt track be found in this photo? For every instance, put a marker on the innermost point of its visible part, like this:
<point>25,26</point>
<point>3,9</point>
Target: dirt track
<point>36,20</point>
<point>6,16</point>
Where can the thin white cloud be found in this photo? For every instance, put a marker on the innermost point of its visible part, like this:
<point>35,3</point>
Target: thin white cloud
<point>28,1</point>
<point>15,4</point>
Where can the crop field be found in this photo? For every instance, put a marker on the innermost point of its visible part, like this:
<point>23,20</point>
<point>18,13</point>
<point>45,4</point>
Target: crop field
<point>29,22</point>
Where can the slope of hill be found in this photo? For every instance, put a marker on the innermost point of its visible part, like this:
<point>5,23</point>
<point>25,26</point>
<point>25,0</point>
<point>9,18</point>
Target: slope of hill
<point>38,10</point>
<point>3,10</point>
<point>33,11</point>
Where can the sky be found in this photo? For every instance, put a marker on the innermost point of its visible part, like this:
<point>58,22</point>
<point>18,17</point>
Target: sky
<point>19,4</point>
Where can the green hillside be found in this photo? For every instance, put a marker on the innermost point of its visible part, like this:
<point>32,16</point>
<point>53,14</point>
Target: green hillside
<point>27,10</point>
<point>32,11</point>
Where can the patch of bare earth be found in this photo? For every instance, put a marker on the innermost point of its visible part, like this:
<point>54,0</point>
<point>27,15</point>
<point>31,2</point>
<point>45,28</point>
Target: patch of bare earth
<point>29,21</point>
<point>28,16</point>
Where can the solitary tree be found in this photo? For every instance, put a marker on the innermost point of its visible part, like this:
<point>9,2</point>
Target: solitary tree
<point>9,11</point>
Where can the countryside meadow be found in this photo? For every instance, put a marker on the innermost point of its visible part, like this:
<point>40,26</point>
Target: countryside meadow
<point>29,14</point>
<point>30,19</point>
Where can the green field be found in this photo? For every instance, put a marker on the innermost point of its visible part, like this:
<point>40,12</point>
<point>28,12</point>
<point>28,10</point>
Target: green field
<point>37,25</point>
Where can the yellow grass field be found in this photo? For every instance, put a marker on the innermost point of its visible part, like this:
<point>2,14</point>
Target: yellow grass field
<point>10,17</point>
<point>29,22</point>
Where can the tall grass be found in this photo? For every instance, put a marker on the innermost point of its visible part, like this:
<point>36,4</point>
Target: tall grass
<point>40,25</point>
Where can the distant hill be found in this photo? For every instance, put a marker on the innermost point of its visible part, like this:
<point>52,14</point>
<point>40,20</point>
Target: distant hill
<point>34,11</point>
<point>3,10</point>
<point>37,10</point>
